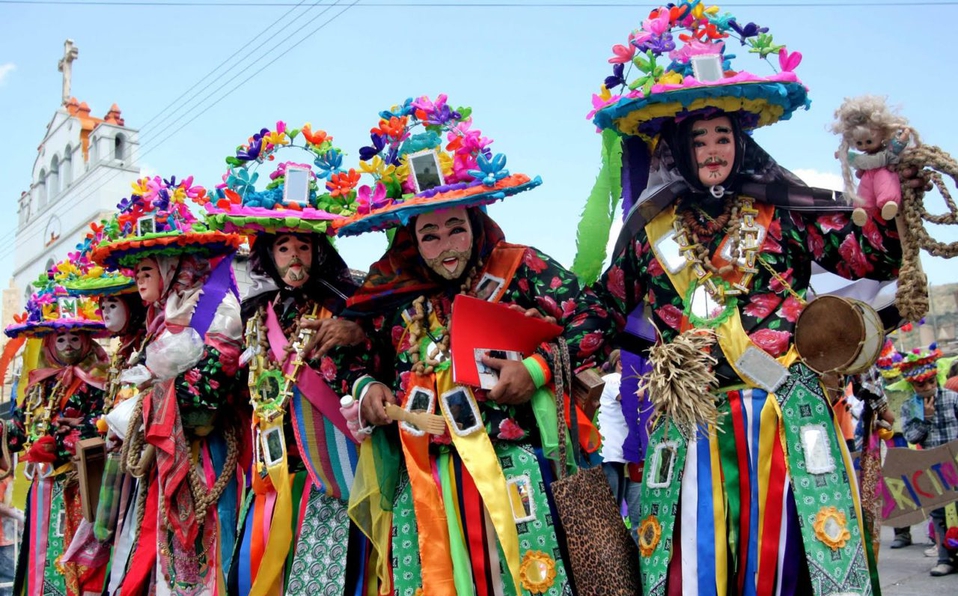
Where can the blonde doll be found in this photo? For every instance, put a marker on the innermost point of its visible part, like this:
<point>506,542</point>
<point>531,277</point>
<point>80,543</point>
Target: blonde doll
<point>867,125</point>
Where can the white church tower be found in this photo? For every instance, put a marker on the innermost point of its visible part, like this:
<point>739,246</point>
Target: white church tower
<point>84,166</point>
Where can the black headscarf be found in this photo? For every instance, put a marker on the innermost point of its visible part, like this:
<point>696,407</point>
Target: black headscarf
<point>673,176</point>
<point>329,282</point>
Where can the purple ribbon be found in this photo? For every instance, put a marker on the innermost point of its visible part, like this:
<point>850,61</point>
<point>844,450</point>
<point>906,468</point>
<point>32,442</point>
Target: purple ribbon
<point>220,281</point>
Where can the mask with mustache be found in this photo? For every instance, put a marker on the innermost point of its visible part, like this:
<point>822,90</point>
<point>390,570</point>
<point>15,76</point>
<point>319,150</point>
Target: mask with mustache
<point>293,275</point>
<point>436,263</point>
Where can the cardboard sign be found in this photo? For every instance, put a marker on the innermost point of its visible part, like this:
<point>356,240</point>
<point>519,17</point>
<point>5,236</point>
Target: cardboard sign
<point>914,482</point>
<point>477,324</point>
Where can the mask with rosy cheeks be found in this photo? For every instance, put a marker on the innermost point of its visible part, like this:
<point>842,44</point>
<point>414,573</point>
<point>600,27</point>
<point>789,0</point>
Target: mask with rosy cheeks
<point>68,347</point>
<point>444,239</point>
<point>148,281</point>
<point>115,313</point>
<point>293,256</point>
<point>713,147</point>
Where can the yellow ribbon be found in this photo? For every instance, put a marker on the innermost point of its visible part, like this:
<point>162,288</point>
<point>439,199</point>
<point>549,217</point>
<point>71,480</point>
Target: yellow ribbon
<point>719,514</point>
<point>365,509</point>
<point>732,338</point>
<point>479,457</point>
<point>269,578</point>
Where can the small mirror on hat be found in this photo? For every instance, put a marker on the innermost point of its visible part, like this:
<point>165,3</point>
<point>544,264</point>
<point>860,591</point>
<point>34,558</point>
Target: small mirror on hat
<point>426,172</point>
<point>296,185</point>
<point>707,67</point>
<point>67,306</point>
<point>145,225</point>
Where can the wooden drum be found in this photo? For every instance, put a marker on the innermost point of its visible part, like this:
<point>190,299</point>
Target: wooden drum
<point>842,335</point>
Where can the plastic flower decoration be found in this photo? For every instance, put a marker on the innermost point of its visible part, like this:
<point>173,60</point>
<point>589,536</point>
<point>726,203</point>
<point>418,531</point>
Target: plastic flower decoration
<point>661,63</point>
<point>421,125</point>
<point>52,308</point>
<point>424,154</point>
<point>79,274</point>
<point>238,194</point>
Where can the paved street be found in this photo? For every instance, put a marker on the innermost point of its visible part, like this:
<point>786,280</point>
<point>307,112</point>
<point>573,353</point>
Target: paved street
<point>904,571</point>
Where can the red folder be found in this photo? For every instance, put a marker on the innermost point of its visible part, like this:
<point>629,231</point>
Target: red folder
<point>490,325</point>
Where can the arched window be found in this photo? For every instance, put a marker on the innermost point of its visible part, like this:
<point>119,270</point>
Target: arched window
<point>42,189</point>
<point>66,167</point>
<point>53,180</point>
<point>119,148</point>
<point>27,294</point>
<point>49,265</point>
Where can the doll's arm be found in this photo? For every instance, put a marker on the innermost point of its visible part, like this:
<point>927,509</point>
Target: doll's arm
<point>872,161</point>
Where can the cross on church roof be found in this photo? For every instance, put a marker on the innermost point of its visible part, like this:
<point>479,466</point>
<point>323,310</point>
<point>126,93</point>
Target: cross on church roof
<point>70,53</point>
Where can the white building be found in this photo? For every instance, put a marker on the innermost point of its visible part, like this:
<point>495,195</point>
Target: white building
<point>84,166</point>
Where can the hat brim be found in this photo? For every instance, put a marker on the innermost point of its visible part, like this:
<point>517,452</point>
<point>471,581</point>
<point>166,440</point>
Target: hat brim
<point>48,327</point>
<point>400,212</point>
<point>250,221</point>
<point>100,286</point>
<point>766,100</point>
<point>128,252</point>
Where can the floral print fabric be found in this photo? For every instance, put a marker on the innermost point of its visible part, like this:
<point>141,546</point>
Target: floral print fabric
<point>539,282</point>
<point>86,403</point>
<point>793,241</point>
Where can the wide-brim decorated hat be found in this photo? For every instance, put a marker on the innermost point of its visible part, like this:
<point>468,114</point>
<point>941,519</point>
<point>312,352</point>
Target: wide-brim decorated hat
<point>52,309</point>
<point>888,360</point>
<point>156,221</point>
<point>300,197</point>
<point>920,365</point>
<point>679,63</point>
<point>426,156</point>
<point>80,276</point>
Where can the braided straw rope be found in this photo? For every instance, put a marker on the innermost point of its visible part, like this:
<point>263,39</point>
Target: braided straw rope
<point>912,296</point>
<point>5,452</point>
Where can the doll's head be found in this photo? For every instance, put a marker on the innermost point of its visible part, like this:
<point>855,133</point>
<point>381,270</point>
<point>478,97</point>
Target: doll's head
<point>866,124</point>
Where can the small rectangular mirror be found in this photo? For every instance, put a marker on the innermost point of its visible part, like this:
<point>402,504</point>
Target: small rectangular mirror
<point>426,172</point>
<point>274,446</point>
<point>296,185</point>
<point>707,67</point>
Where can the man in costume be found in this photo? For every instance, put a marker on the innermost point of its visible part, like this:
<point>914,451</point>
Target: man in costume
<point>471,513</point>
<point>296,515</point>
<point>183,440</point>
<point>62,401</point>
<point>124,317</point>
<point>746,483</point>
<point>930,419</point>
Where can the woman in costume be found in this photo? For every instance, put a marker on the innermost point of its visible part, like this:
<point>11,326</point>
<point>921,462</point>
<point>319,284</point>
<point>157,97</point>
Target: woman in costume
<point>472,513</point>
<point>295,534</point>
<point>184,437</point>
<point>124,317</point>
<point>62,402</point>
<point>746,483</point>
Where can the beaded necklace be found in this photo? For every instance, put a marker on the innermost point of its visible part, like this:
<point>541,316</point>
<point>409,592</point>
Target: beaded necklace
<point>419,326</point>
<point>742,233</point>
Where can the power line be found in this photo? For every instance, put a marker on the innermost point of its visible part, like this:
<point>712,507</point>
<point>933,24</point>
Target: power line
<point>631,5</point>
<point>199,86</point>
<point>221,96</point>
<point>148,146</point>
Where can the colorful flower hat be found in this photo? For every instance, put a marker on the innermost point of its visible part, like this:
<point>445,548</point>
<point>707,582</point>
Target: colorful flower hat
<point>155,221</point>
<point>888,360</point>
<point>919,365</point>
<point>300,197</point>
<point>79,275</point>
<point>680,64</point>
<point>51,309</point>
<point>412,172</point>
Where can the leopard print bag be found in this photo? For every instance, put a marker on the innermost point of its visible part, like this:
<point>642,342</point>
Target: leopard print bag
<point>604,559</point>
